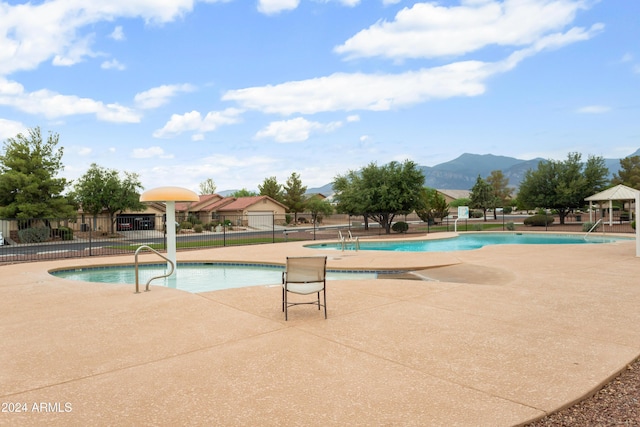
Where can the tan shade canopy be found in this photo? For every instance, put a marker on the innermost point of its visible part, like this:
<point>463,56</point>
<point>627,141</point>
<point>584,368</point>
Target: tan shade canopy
<point>169,194</point>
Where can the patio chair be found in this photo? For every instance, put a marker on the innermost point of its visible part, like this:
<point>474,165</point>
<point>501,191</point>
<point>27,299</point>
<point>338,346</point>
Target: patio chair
<point>305,276</point>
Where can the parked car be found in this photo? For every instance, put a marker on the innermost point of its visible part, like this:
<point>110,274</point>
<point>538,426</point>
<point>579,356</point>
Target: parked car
<point>142,224</point>
<point>124,225</point>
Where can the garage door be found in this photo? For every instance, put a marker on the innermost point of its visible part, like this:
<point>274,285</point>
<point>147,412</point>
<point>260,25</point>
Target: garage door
<point>260,219</point>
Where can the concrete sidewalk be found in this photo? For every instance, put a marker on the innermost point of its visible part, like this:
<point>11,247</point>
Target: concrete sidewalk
<point>499,336</point>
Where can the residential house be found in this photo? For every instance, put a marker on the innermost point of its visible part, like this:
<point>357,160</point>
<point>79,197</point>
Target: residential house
<point>252,211</point>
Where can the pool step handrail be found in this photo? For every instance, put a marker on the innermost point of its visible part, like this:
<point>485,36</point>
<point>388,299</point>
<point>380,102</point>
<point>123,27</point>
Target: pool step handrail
<point>173,267</point>
<point>344,241</point>
<point>592,228</point>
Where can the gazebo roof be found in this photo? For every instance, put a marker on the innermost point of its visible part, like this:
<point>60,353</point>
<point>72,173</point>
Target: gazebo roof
<point>619,192</point>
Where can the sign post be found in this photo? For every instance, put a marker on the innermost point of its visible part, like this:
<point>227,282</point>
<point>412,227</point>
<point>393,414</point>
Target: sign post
<point>463,213</point>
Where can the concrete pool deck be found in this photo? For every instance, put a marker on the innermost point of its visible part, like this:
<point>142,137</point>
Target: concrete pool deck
<point>502,336</point>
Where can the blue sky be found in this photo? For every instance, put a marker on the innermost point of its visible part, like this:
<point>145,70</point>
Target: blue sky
<point>180,91</point>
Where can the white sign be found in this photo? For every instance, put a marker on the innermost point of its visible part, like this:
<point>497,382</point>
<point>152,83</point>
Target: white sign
<point>463,212</point>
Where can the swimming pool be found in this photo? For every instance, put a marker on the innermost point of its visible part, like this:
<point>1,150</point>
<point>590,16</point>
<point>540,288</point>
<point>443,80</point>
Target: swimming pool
<point>465,242</point>
<point>199,277</point>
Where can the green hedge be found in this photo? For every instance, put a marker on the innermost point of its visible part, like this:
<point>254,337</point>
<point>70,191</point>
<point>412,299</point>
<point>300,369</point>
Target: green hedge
<point>400,227</point>
<point>34,234</point>
<point>538,220</point>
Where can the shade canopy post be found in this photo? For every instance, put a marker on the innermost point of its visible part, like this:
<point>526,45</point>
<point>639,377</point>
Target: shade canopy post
<point>169,196</point>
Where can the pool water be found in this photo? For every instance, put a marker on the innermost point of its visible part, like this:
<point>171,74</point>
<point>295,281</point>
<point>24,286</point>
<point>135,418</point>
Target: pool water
<point>198,277</point>
<point>466,242</point>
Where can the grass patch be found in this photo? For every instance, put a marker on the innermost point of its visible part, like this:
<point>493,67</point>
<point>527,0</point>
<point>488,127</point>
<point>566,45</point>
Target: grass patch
<point>461,227</point>
<point>207,243</point>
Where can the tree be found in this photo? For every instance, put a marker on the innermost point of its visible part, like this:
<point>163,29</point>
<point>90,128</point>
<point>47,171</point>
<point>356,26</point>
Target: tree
<point>501,190</point>
<point>293,197</point>
<point>29,186</point>
<point>271,188</point>
<point>629,173</point>
<point>562,185</point>
<point>208,187</point>
<point>243,193</point>
<point>482,196</point>
<point>101,189</point>
<point>434,205</point>
<point>318,208</point>
<point>380,193</point>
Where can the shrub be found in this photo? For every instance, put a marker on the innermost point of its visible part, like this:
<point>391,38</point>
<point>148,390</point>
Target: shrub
<point>65,233</point>
<point>538,220</point>
<point>633,224</point>
<point>507,210</point>
<point>476,214</point>
<point>197,228</point>
<point>511,226</point>
<point>186,225</point>
<point>400,227</point>
<point>586,226</point>
<point>34,234</point>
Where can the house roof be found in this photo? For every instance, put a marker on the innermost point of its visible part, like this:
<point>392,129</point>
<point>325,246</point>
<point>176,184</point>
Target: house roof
<point>619,192</point>
<point>455,194</point>
<point>241,203</point>
<point>199,205</point>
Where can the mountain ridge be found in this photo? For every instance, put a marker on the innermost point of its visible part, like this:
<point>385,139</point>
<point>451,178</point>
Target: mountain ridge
<point>461,173</point>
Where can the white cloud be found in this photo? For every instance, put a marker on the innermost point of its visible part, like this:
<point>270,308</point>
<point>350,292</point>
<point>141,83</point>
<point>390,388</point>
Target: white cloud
<point>295,130</point>
<point>358,91</point>
<point>594,109</point>
<point>83,151</point>
<point>158,96</point>
<point>272,7</point>
<point>380,92</point>
<point>53,105</point>
<point>113,64</point>
<point>353,118</point>
<point>350,3</point>
<point>230,169</point>
<point>10,128</point>
<point>428,30</point>
<point>194,122</point>
<point>33,33</point>
<point>146,153</point>
<point>118,33</point>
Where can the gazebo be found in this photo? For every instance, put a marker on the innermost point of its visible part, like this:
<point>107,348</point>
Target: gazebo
<point>619,192</point>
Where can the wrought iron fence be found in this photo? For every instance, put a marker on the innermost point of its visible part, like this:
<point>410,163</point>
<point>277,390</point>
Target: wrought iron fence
<point>49,239</point>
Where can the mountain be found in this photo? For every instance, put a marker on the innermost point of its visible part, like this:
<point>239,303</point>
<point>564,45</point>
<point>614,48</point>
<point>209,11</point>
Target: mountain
<point>461,173</point>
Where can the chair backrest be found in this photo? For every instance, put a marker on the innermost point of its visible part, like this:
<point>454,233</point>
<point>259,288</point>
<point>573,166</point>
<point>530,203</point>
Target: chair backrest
<point>306,269</point>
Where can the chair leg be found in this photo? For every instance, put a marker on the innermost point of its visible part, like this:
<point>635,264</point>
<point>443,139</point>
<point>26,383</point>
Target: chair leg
<point>286,307</point>
<point>318,300</point>
<point>324,292</point>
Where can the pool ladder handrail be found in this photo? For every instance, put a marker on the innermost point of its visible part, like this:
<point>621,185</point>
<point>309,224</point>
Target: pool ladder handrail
<point>344,241</point>
<point>593,228</point>
<point>173,267</point>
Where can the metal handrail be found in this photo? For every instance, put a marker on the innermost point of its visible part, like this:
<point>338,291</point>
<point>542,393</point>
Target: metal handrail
<point>173,267</point>
<point>592,228</point>
<point>344,241</point>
